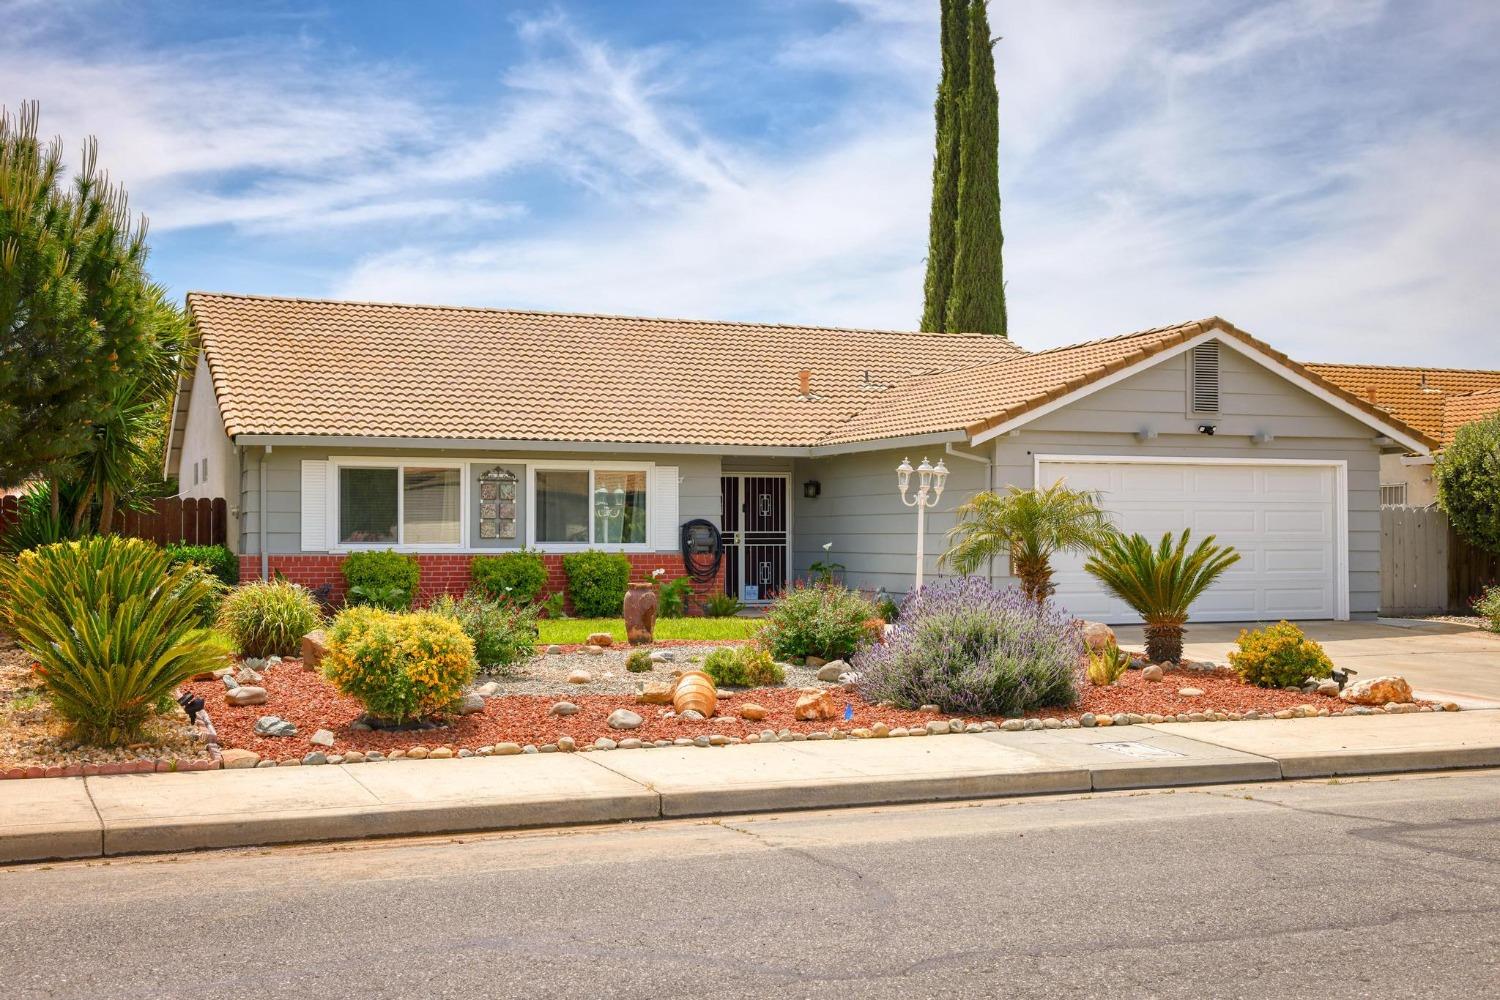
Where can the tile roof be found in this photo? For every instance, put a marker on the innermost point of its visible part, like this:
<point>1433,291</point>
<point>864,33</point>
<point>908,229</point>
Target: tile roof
<point>354,369</point>
<point>1418,396</point>
<point>1467,407</point>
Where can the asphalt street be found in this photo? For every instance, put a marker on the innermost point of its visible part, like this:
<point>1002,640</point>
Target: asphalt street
<point>1351,888</point>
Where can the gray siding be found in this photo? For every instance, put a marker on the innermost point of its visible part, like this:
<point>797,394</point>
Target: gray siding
<point>874,535</point>
<point>698,492</point>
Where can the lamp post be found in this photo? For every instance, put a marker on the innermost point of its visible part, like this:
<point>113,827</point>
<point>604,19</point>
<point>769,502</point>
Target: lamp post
<point>609,506</point>
<point>929,491</point>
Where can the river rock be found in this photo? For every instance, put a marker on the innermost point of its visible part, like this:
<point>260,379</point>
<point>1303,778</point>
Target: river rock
<point>563,708</point>
<point>1190,692</point>
<point>274,725</point>
<point>246,675</point>
<point>623,718</point>
<point>1377,691</point>
<point>580,677</point>
<point>753,712</point>
<point>1152,673</point>
<point>601,639</point>
<point>655,694</point>
<point>321,738</point>
<point>472,704</point>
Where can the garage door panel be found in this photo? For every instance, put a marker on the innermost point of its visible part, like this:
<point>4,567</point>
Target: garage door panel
<point>1280,519</point>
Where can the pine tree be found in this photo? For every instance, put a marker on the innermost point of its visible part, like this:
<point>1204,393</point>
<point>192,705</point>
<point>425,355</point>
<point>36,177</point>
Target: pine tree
<point>944,213</point>
<point>976,303</point>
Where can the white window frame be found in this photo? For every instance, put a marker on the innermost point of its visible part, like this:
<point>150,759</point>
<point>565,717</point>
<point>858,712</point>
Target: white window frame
<point>342,462</point>
<point>648,468</point>
<point>1401,487</point>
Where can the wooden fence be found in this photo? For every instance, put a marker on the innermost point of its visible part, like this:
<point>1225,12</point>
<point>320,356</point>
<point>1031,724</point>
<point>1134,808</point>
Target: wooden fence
<point>202,521</point>
<point>1425,568</point>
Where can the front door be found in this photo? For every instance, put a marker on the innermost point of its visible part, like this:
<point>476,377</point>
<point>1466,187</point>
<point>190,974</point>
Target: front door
<point>754,512</point>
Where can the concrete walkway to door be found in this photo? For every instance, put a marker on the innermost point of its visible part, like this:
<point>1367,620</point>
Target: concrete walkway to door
<point>1440,661</point>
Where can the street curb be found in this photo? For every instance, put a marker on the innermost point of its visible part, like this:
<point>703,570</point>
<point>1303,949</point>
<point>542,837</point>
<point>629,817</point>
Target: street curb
<point>32,839</point>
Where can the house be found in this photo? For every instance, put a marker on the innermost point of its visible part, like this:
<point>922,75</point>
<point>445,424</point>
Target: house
<point>446,432</point>
<point>1436,401</point>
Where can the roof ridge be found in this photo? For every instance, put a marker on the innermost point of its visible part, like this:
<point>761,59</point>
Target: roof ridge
<point>606,316</point>
<point>1203,323</point>
<point>1400,368</point>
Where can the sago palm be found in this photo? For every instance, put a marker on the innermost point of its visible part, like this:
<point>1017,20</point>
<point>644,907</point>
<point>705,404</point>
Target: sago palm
<point>1029,526</point>
<point>1160,583</point>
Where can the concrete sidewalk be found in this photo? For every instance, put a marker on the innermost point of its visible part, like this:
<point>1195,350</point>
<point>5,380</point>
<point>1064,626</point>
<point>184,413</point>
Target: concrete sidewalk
<point>139,813</point>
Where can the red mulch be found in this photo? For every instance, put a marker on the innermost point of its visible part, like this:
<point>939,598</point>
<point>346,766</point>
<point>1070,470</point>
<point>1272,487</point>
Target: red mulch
<point>305,699</point>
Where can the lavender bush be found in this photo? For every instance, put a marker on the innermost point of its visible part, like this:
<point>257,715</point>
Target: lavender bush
<point>975,650</point>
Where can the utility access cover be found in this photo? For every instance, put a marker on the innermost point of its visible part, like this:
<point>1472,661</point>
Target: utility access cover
<point>1141,750</point>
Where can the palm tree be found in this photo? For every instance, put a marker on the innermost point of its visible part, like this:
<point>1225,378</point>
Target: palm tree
<point>1159,583</point>
<point>1030,526</point>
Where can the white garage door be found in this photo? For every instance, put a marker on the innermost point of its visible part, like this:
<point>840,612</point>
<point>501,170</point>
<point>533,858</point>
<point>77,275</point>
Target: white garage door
<point>1282,519</point>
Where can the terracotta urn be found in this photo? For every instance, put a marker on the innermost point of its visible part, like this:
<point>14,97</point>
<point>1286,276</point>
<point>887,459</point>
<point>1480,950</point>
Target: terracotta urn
<point>640,613</point>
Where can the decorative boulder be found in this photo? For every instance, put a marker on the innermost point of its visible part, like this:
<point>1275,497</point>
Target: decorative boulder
<point>813,706</point>
<point>655,694</point>
<point>246,675</point>
<point>471,704</point>
<point>321,738</point>
<point>603,639</point>
<point>753,712</point>
<point>234,758</point>
<point>1377,691</point>
<point>1152,673</point>
<point>314,648</point>
<point>245,694</point>
<point>1098,636</point>
<point>580,677</point>
<point>831,671</point>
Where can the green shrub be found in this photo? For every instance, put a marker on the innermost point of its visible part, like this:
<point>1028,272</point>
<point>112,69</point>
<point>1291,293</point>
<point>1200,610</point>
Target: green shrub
<point>828,622</point>
<point>217,559</point>
<point>113,628</point>
<point>35,526</point>
<point>511,576</point>
<point>672,595</point>
<point>597,582</point>
<point>1107,665</point>
<point>742,666</point>
<point>555,606</point>
<point>503,634</point>
<point>401,666</point>
<point>382,578</point>
<point>1487,606</point>
<point>638,662</point>
<point>1277,656</point>
<point>268,618</point>
<point>887,608</point>
<point>1468,483</point>
<point>722,606</point>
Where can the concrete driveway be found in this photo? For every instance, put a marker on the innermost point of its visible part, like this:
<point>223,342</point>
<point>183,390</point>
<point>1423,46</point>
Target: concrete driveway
<point>1440,661</point>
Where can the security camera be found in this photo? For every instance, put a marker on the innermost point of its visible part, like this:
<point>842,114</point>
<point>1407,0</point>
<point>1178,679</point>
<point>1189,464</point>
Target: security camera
<point>1206,429</point>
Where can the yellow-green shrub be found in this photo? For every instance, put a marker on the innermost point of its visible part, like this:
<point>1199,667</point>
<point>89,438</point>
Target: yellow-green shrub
<point>1107,665</point>
<point>743,666</point>
<point>268,617</point>
<point>113,629</point>
<point>401,666</point>
<point>1279,655</point>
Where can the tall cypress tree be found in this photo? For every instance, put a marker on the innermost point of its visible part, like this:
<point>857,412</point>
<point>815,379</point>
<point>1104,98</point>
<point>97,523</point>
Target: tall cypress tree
<point>944,213</point>
<point>976,302</point>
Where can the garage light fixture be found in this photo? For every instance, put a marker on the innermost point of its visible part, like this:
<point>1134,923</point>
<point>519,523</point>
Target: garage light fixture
<point>1206,429</point>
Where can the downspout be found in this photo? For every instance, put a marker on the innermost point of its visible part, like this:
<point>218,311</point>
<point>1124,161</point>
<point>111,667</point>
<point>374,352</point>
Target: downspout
<point>989,477</point>
<point>263,521</point>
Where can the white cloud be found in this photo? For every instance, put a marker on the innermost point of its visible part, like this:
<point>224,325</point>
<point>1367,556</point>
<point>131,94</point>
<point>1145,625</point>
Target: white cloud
<point>1319,171</point>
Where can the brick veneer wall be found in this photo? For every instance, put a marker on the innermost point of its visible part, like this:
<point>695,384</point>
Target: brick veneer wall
<point>449,574</point>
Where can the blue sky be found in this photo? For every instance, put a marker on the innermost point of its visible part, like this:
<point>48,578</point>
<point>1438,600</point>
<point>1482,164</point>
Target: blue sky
<point>1323,173</point>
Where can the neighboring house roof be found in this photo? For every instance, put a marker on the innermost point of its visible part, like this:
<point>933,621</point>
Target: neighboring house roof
<point>314,368</point>
<point>1418,396</point>
<point>1465,408</point>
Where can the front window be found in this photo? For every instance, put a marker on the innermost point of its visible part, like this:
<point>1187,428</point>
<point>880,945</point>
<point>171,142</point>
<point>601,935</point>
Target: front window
<point>590,506</point>
<point>399,505</point>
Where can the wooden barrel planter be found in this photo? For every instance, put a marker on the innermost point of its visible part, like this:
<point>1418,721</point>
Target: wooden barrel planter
<point>695,691</point>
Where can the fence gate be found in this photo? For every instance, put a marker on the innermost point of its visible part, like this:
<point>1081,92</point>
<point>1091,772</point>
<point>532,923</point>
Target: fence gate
<point>1425,568</point>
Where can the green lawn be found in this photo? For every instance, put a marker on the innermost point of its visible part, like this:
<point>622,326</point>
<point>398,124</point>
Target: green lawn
<point>577,630</point>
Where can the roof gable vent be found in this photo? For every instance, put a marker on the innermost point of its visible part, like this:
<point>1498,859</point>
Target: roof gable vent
<point>1203,378</point>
